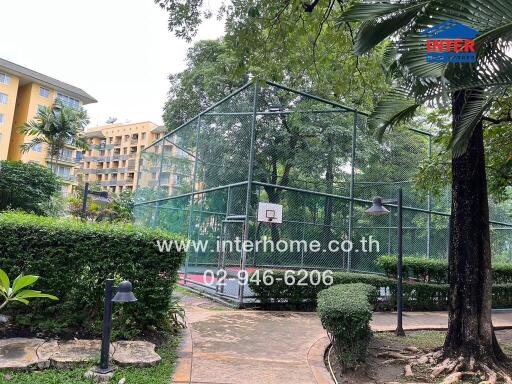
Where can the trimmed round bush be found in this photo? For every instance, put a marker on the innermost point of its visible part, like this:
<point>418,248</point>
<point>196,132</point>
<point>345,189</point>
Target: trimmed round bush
<point>345,311</point>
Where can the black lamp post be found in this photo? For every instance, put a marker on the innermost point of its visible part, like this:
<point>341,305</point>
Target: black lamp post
<point>378,209</point>
<point>124,294</point>
<point>102,195</point>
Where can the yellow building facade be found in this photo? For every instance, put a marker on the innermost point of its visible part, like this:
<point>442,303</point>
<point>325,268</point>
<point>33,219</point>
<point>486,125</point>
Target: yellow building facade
<point>114,154</point>
<point>22,92</point>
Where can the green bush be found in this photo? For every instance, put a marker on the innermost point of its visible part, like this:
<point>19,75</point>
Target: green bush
<point>418,296</point>
<point>345,311</point>
<point>296,296</point>
<point>27,186</point>
<point>435,270</point>
<point>74,259</point>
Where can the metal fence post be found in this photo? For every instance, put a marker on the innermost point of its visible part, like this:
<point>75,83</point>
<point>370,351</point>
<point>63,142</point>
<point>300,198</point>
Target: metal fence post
<point>243,262</point>
<point>191,210</point>
<point>429,202</point>
<point>352,186</point>
<point>156,216</point>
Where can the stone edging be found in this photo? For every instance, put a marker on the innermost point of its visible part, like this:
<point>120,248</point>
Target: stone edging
<point>316,362</point>
<point>183,371</point>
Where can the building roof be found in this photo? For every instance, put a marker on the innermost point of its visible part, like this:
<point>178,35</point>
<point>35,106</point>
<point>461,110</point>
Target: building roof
<point>159,129</point>
<point>102,128</point>
<point>33,76</point>
<point>95,133</point>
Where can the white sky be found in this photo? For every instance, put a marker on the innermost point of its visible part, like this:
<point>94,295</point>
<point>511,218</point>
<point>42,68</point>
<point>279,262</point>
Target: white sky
<point>119,51</point>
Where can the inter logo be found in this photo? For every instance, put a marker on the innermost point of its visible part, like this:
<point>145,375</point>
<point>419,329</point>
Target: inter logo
<point>450,42</point>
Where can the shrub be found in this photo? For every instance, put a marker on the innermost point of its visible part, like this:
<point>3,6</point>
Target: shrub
<point>435,270</point>
<point>296,296</point>
<point>27,186</point>
<point>74,259</point>
<point>418,296</point>
<point>345,311</point>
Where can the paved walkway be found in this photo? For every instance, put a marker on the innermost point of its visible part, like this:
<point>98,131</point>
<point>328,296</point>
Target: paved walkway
<point>224,346</point>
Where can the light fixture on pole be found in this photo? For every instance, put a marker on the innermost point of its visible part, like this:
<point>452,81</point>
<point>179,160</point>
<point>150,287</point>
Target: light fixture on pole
<point>123,294</point>
<point>378,209</point>
<point>102,197</point>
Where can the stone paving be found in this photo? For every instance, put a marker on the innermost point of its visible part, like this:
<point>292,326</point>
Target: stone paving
<point>20,353</point>
<point>223,346</point>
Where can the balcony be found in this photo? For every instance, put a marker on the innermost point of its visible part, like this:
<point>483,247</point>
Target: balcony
<point>129,180</point>
<point>63,159</point>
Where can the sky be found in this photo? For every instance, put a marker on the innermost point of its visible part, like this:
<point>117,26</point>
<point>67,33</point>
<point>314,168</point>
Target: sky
<point>118,51</point>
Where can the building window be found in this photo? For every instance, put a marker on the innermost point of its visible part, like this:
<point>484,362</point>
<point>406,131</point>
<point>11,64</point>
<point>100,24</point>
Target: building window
<point>5,79</point>
<point>3,98</point>
<point>38,147</point>
<point>143,135</point>
<point>44,92</point>
<point>68,101</point>
<point>1,118</point>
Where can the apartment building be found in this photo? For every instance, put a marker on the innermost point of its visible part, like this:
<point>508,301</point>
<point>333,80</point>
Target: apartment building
<point>22,92</point>
<point>114,154</point>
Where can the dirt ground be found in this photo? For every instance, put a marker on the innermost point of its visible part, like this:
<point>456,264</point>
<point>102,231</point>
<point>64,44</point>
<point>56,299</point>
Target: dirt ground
<point>380,369</point>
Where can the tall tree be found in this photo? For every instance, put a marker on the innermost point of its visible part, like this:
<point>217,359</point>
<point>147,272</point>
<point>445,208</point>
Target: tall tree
<point>468,89</point>
<point>56,126</point>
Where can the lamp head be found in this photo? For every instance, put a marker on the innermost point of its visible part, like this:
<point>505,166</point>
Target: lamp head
<point>377,209</point>
<point>124,293</point>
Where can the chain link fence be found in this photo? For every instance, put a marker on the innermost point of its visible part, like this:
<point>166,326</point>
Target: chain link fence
<point>316,158</point>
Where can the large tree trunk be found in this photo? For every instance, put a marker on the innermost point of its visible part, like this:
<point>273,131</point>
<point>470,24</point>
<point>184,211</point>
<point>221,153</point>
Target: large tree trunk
<point>470,331</point>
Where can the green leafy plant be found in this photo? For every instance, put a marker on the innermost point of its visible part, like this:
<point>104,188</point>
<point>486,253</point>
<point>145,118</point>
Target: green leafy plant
<point>75,259</point>
<point>345,311</point>
<point>16,292</point>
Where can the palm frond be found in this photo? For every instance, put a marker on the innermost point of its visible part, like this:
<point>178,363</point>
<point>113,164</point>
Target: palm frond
<point>396,107</point>
<point>476,104</point>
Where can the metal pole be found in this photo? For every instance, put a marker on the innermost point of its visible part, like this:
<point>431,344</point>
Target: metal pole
<point>107,327</point>
<point>84,201</point>
<point>243,262</point>
<point>156,217</point>
<point>352,186</point>
<point>399,290</point>
<point>191,211</point>
<point>429,202</point>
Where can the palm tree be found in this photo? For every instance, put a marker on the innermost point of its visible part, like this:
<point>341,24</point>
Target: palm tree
<point>56,126</point>
<point>469,89</point>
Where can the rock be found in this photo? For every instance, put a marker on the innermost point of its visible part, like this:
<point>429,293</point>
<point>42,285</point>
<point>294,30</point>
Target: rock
<point>19,353</point>
<point>122,381</point>
<point>135,353</point>
<point>76,353</point>
<point>7,377</point>
<point>408,371</point>
<point>422,360</point>
<point>97,377</point>
<point>412,349</point>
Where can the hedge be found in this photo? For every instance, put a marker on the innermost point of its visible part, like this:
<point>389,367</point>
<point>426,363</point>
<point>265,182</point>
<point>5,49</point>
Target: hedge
<point>345,311</point>
<point>74,259</point>
<point>436,270</point>
<point>418,296</point>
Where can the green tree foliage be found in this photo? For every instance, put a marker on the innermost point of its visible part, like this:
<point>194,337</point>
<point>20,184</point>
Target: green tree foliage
<point>469,90</point>
<point>56,127</point>
<point>282,42</point>
<point>212,72</point>
<point>27,186</point>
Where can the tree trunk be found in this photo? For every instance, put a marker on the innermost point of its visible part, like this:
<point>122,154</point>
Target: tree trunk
<point>470,331</point>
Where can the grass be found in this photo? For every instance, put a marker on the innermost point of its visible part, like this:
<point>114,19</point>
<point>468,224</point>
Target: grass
<point>160,374</point>
<point>418,339</point>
